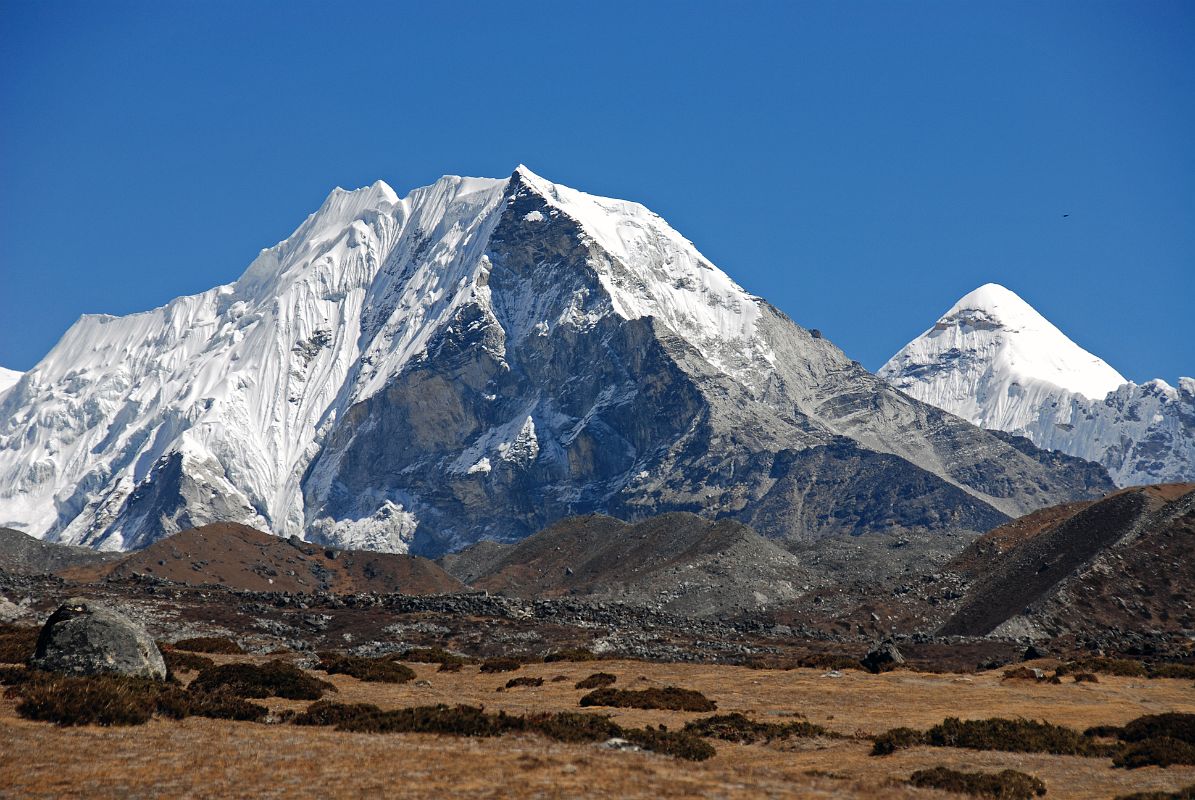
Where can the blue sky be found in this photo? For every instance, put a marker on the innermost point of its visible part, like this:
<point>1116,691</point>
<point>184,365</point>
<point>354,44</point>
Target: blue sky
<point>861,165</point>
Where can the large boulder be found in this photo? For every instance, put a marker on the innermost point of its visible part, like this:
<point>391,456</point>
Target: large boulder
<point>883,657</point>
<point>85,638</point>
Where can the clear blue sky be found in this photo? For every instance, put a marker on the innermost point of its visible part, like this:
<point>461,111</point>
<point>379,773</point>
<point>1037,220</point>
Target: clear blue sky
<point>861,165</point>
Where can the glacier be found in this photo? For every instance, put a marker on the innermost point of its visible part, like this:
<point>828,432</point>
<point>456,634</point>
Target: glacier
<point>993,360</point>
<point>475,360</point>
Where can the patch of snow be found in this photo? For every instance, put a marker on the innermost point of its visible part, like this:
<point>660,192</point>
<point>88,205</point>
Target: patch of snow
<point>8,379</point>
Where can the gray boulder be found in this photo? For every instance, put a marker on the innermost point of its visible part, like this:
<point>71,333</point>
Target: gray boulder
<point>85,638</point>
<point>883,657</point>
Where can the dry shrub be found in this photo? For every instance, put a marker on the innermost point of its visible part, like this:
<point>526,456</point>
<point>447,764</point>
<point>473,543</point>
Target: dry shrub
<point>829,661</point>
<point>1006,735</point>
<point>514,683</point>
<point>120,700</point>
<point>434,655</point>
<point>574,727</point>
<point>1172,725</point>
<point>17,643</point>
<point>1013,736</point>
<point>472,721</point>
<point>1086,677</point>
<point>93,700</point>
<point>895,739</point>
<point>215,705</point>
<point>450,666</point>
<point>1161,751</point>
<point>1007,785</point>
<point>597,680</point>
<point>738,728</point>
<point>177,661</point>
<point>272,679</point>
<point>208,644</point>
<point>374,670</point>
<point>1023,674</point>
<point>500,665</point>
<point>678,744</point>
<point>325,712</point>
<point>12,675</point>
<point>572,654</point>
<point>670,698</point>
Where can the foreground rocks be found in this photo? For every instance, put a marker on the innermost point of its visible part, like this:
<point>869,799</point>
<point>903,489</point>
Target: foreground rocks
<point>86,638</point>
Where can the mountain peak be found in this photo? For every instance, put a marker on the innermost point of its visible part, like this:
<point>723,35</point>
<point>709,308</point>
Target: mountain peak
<point>1006,341</point>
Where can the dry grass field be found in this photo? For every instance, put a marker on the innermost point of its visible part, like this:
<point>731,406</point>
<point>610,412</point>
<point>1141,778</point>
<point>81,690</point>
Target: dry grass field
<point>215,758</point>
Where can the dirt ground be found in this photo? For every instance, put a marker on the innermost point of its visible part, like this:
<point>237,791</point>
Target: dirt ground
<point>209,758</point>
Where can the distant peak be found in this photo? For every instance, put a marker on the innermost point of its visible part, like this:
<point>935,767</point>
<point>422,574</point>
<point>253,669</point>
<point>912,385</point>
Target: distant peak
<point>999,303</point>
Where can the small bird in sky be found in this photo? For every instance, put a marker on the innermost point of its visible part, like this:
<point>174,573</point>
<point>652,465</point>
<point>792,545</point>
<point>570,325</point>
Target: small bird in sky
<point>1066,215</point>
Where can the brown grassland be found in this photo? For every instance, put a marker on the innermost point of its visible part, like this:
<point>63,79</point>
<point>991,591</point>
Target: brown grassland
<point>198,757</point>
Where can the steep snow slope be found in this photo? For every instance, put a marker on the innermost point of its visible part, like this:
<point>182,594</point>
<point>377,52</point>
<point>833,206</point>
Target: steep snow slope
<point>995,361</point>
<point>8,379</point>
<point>477,358</point>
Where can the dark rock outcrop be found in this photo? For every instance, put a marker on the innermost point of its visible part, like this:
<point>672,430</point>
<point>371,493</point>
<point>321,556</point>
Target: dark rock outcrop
<point>884,657</point>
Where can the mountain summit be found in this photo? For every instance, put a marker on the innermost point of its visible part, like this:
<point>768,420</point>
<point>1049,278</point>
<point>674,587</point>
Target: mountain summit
<point>993,360</point>
<point>477,360</point>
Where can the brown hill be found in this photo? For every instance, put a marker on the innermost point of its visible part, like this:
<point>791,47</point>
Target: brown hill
<point>241,557</point>
<point>1122,562</point>
<point>679,562</point>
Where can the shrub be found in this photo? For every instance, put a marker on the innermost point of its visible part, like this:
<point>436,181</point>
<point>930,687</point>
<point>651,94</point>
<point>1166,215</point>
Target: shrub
<point>374,670</point>
<point>215,705</point>
<point>574,727</point>
<point>677,744</point>
<point>1014,736</point>
<point>17,643</point>
<point>828,661</point>
<point>92,700</point>
<point>738,728</point>
<point>177,661</point>
<point>1161,751</point>
<point>1024,674</point>
<point>669,698</point>
<point>1008,784</point>
<point>458,720</point>
<point>596,681</point>
<point>572,654</point>
<point>120,700</point>
<point>433,655</point>
<point>13,675</point>
<point>514,683</point>
<point>1086,677</point>
<point>1172,725</point>
<point>325,712</point>
<point>890,741</point>
<point>500,665</point>
<point>272,679</point>
<point>450,666</point>
<point>208,644</point>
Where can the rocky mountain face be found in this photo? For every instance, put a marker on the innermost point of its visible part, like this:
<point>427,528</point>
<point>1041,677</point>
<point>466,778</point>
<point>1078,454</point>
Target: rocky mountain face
<point>476,361</point>
<point>995,361</point>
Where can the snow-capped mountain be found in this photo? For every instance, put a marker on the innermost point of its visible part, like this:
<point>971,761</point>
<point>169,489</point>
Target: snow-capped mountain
<point>8,379</point>
<point>995,361</point>
<point>478,359</point>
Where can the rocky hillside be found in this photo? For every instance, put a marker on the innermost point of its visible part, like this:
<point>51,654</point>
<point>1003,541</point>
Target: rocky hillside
<point>477,360</point>
<point>680,563</point>
<point>1123,563</point>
